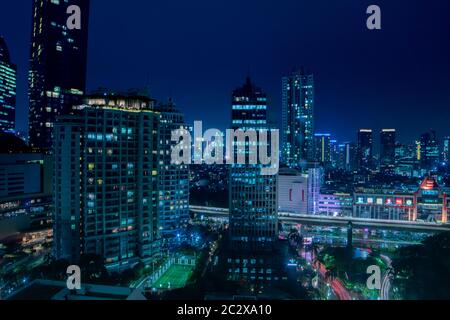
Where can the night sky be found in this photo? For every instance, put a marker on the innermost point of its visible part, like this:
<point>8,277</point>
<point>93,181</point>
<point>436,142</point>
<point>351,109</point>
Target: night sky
<point>198,51</point>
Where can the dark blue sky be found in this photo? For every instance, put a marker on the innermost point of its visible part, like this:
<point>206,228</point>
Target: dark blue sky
<point>198,51</point>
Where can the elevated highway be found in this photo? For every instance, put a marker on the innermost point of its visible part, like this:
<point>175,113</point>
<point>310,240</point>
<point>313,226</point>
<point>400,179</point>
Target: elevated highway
<point>334,221</point>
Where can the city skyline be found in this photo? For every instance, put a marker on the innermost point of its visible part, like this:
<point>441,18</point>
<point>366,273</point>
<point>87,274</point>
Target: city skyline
<point>337,177</point>
<point>398,106</point>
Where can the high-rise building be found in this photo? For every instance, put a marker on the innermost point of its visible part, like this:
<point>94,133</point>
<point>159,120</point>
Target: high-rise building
<point>405,159</point>
<point>387,150</point>
<point>173,185</point>
<point>446,150</point>
<point>8,74</point>
<point>58,60</point>
<point>253,196</point>
<point>106,181</point>
<point>322,143</point>
<point>315,182</point>
<point>429,150</point>
<point>298,119</point>
<point>334,153</point>
<point>365,149</point>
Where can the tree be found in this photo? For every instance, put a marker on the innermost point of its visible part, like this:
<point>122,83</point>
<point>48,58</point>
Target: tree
<point>422,272</point>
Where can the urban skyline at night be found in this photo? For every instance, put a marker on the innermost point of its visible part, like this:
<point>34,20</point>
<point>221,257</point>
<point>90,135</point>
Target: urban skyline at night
<point>225,150</point>
<point>397,91</point>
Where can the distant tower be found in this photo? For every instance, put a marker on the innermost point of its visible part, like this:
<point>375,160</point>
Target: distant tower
<point>429,150</point>
<point>8,74</point>
<point>297,118</point>
<point>58,61</point>
<point>365,149</point>
<point>387,154</point>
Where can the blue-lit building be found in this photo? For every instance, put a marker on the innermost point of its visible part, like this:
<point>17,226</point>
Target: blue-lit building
<point>346,157</point>
<point>429,150</point>
<point>446,150</point>
<point>253,196</point>
<point>25,189</point>
<point>387,149</point>
<point>297,137</point>
<point>365,149</point>
<point>173,185</point>
<point>106,181</point>
<point>8,75</point>
<point>323,149</point>
<point>58,62</point>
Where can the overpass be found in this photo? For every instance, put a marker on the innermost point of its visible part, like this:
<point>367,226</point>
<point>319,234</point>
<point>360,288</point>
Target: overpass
<point>289,218</point>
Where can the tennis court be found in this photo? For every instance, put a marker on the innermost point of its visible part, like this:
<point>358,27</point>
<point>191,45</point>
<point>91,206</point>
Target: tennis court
<point>175,277</point>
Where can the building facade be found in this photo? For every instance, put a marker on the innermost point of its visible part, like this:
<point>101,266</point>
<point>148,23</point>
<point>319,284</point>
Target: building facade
<point>253,196</point>
<point>297,138</point>
<point>8,78</point>
<point>323,149</point>
<point>336,204</point>
<point>429,151</point>
<point>365,149</point>
<point>25,192</point>
<point>387,149</point>
<point>292,192</point>
<point>58,60</point>
<point>427,203</point>
<point>446,150</point>
<point>106,181</point>
<point>173,185</point>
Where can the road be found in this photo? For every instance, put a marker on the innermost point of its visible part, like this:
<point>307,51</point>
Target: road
<point>338,288</point>
<point>337,221</point>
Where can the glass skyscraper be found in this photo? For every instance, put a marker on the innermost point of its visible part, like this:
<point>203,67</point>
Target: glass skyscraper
<point>8,74</point>
<point>58,60</point>
<point>253,196</point>
<point>297,118</point>
<point>173,185</point>
<point>323,151</point>
<point>387,152</point>
<point>365,149</point>
<point>429,150</point>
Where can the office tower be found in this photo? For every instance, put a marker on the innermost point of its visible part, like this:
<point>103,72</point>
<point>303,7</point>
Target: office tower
<point>106,181</point>
<point>8,74</point>
<point>365,149</point>
<point>297,137</point>
<point>57,76</point>
<point>347,156</point>
<point>334,153</point>
<point>253,196</point>
<point>340,164</point>
<point>173,185</point>
<point>429,150</point>
<point>405,159</point>
<point>315,182</point>
<point>387,150</point>
<point>446,150</point>
<point>322,143</point>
